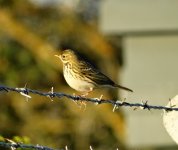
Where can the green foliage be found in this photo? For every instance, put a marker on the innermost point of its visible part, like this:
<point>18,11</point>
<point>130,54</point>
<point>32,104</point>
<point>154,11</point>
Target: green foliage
<point>1,138</point>
<point>25,58</point>
<point>24,139</point>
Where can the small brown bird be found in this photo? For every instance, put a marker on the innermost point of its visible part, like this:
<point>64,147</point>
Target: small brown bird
<point>82,76</point>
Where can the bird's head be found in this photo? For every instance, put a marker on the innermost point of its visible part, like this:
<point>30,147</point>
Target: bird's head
<point>67,56</point>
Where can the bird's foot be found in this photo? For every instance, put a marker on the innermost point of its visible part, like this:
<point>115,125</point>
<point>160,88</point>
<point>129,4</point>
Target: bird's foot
<point>82,104</point>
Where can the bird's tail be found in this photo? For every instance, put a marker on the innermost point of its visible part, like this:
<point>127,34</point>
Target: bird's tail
<point>122,87</point>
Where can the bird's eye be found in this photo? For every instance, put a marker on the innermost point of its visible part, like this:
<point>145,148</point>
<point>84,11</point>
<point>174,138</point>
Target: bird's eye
<point>63,56</point>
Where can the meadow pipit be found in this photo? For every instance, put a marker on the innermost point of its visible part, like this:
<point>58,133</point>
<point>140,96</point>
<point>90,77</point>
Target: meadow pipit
<point>82,76</point>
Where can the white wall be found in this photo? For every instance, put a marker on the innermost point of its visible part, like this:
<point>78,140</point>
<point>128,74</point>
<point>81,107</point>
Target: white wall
<point>151,68</point>
<point>138,15</point>
<point>152,72</point>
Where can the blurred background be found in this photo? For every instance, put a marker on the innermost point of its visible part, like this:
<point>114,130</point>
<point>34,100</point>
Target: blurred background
<point>133,42</point>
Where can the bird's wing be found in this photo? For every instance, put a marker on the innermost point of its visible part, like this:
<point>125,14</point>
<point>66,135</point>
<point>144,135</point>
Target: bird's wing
<point>92,73</point>
<point>96,77</point>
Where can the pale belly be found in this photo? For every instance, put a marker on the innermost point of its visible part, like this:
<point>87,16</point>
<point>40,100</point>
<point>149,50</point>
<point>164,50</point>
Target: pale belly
<point>77,84</point>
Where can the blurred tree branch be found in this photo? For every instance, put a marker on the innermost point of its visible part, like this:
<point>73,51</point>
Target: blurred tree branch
<point>31,27</point>
<point>15,29</point>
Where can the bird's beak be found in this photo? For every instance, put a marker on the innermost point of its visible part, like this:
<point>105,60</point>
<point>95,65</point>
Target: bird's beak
<point>59,56</point>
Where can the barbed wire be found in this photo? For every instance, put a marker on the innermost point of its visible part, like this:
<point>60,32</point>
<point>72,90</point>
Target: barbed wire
<point>116,103</point>
<point>8,143</point>
<point>14,145</point>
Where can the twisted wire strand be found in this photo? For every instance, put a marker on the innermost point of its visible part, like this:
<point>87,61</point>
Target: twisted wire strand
<point>143,105</point>
<point>24,146</point>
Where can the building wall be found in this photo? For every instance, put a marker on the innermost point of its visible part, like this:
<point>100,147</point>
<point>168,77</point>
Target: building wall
<point>149,30</point>
<point>123,16</point>
<point>151,71</point>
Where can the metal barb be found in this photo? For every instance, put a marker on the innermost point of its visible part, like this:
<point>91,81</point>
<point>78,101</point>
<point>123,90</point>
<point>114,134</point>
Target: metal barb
<point>144,105</point>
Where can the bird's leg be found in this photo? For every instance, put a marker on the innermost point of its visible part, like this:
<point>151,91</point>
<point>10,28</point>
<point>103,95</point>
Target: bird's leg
<point>83,103</point>
<point>101,96</point>
<point>86,93</point>
<point>80,103</point>
<point>73,99</point>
